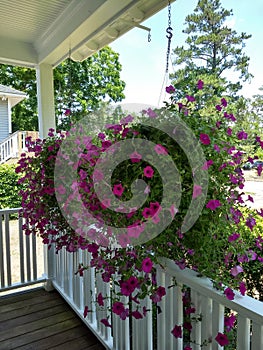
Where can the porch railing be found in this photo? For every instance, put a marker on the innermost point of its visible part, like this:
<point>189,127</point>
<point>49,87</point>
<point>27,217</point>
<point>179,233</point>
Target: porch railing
<point>15,144</point>
<point>153,331</point>
<point>21,257</point>
<point>140,334</point>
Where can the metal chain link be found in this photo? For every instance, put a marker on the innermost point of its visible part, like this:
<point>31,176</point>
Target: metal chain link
<point>169,36</point>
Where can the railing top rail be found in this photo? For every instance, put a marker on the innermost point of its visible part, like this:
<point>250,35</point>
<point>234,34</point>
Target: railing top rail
<point>245,305</point>
<point>9,210</point>
<point>14,134</point>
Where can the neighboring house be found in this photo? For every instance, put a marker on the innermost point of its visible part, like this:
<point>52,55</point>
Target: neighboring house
<point>9,97</point>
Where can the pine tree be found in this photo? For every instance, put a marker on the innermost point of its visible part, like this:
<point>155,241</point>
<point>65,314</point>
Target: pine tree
<point>213,50</point>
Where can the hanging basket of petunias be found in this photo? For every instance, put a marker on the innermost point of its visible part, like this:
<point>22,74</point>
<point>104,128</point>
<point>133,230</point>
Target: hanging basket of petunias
<point>165,184</point>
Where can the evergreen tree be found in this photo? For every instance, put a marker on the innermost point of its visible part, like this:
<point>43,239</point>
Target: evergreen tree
<point>213,50</point>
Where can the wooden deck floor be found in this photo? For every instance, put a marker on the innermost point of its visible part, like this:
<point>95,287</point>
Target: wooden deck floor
<point>38,320</point>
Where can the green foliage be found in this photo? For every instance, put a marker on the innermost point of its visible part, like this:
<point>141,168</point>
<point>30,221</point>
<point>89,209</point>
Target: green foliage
<point>212,50</point>
<point>9,187</point>
<point>79,87</point>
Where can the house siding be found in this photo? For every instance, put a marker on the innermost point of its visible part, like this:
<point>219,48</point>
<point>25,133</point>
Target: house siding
<point>4,122</point>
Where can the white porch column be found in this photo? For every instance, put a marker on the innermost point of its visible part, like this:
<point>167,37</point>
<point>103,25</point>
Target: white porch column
<point>45,99</point>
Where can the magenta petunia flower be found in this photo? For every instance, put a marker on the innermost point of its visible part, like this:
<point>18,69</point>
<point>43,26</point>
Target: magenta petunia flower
<point>218,108</point>
<point>242,135</point>
<point>200,84</point>
<point>222,339</point>
<point>106,323</point>
<point>233,237</point>
<point>159,149</point>
<point>177,331</point>
<point>118,307</point>
<point>229,322</point>
<point>242,288</point>
<point>190,98</point>
<point>147,265</point>
<point>135,157</point>
<point>250,222</point>
<point>100,300</point>
<point>207,164</point>
<point>229,294</point>
<point>118,190</point>
<point>204,139</point>
<point>147,213</point>
<point>236,270</point>
<point>213,204</point>
<point>169,89</point>
<point>136,314</point>
<point>148,171</point>
<point>197,191</point>
<point>86,310</point>
<point>223,102</point>
<point>229,131</point>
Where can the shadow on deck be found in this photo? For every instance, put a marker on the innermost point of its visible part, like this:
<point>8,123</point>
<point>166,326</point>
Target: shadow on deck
<point>38,320</point>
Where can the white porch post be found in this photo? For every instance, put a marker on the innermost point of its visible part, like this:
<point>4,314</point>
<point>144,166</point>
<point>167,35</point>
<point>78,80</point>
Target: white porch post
<point>46,120</point>
<point>45,99</point>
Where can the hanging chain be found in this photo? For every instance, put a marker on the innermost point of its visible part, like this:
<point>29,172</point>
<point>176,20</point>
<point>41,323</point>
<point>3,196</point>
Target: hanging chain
<point>149,37</point>
<point>169,36</point>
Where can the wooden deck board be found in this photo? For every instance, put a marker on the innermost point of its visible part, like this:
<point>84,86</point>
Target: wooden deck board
<point>39,320</point>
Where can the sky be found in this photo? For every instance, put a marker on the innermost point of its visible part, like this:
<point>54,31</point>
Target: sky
<point>143,63</point>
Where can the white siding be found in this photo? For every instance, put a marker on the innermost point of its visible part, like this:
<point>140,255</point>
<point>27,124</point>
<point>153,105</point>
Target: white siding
<point>4,123</point>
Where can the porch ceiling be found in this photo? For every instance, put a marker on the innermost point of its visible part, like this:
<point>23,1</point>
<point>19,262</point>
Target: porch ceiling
<point>43,31</point>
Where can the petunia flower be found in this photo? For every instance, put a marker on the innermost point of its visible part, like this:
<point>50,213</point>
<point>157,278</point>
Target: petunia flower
<point>204,139</point>
<point>159,149</point>
<point>100,300</point>
<point>177,331</point>
<point>118,190</point>
<point>147,265</point>
<point>197,191</point>
<point>106,323</point>
<point>200,84</point>
<point>207,164</point>
<point>213,204</point>
<point>148,171</point>
<point>242,288</point>
<point>222,339</point>
<point>169,89</point>
<point>236,270</point>
<point>135,157</point>
<point>229,294</point>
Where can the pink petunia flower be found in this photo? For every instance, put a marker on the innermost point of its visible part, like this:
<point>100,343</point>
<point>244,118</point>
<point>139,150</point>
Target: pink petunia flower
<point>100,300</point>
<point>229,294</point>
<point>169,89</point>
<point>236,270</point>
<point>106,323</point>
<point>233,237</point>
<point>117,307</point>
<point>159,149</point>
<point>135,157</point>
<point>229,322</point>
<point>207,164</point>
<point>197,191</point>
<point>222,339</point>
<point>242,288</point>
<point>223,102</point>
<point>177,331</point>
<point>148,171</point>
<point>213,204</point>
<point>204,139</point>
<point>147,213</point>
<point>118,190</point>
<point>147,265</point>
<point>137,315</point>
<point>200,84</point>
